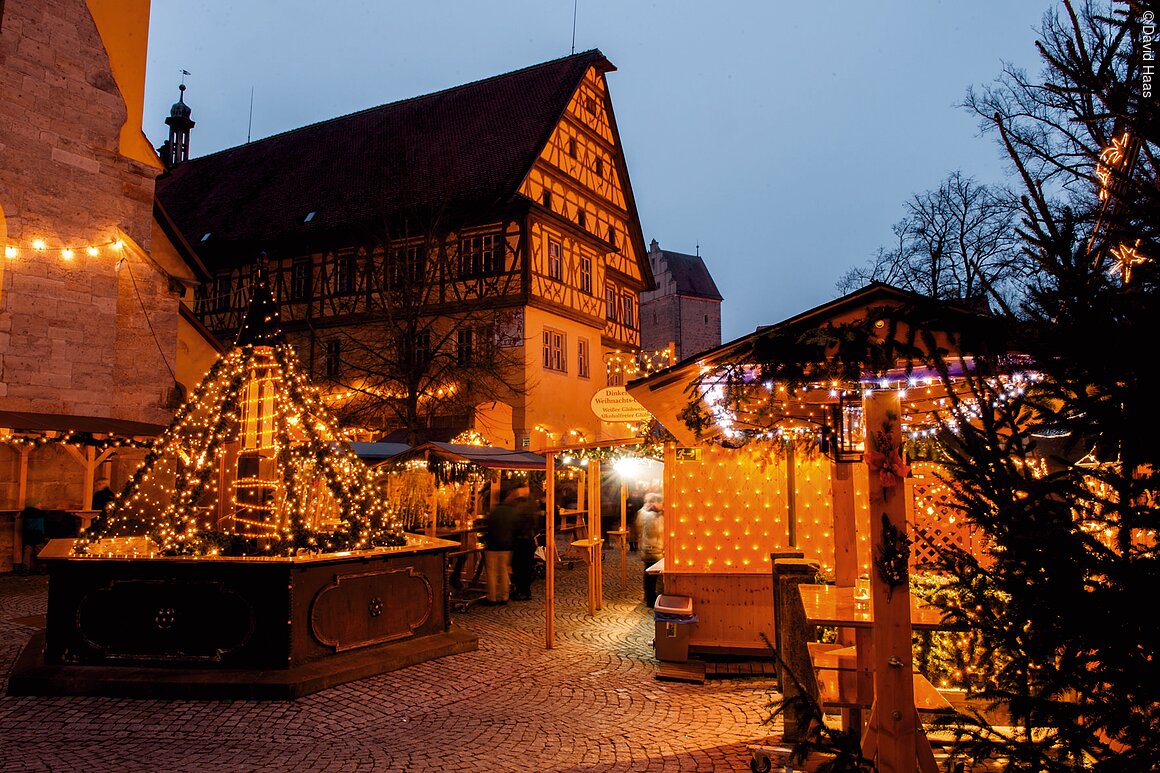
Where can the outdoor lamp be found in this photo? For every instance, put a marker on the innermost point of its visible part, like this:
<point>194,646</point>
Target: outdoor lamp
<point>844,434</point>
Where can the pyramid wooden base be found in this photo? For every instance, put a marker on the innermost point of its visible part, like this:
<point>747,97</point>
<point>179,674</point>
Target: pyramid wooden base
<point>32,676</point>
<point>238,627</point>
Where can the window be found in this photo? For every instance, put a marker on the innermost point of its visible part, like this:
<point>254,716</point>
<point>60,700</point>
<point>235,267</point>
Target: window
<point>615,378</point>
<point>555,358</point>
<point>300,276</point>
<point>421,351</point>
<point>547,198</point>
<point>465,346</point>
<point>572,147</point>
<point>483,343</point>
<point>586,274</point>
<point>344,274</point>
<point>555,263</point>
<point>222,292</point>
<point>612,235</point>
<point>626,310</point>
<point>599,167</point>
<point>480,255</point>
<point>333,358</point>
<point>407,265</point>
<point>582,357</point>
<point>581,218</point>
<point>610,303</point>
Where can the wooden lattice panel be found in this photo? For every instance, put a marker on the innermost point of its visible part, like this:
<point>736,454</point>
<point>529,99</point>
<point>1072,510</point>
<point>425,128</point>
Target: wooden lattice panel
<point>934,519</point>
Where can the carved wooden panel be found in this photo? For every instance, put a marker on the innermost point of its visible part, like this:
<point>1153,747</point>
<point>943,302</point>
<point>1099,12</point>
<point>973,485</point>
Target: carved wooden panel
<point>165,620</point>
<point>359,610</point>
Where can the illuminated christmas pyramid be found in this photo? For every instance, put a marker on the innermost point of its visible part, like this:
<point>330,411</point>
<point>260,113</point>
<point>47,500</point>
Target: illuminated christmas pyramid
<point>251,464</point>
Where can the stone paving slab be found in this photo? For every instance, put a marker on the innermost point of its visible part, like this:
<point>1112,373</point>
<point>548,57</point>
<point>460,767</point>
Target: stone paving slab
<point>589,704</point>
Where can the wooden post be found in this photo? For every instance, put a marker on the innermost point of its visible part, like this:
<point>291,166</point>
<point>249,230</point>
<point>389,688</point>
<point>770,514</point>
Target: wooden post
<point>90,473</point>
<point>894,729</point>
<point>788,573</point>
<point>791,495</point>
<point>623,544</point>
<point>595,547</point>
<point>550,551</point>
<point>845,529</point>
<point>21,501</point>
<point>846,568</point>
<point>22,486</point>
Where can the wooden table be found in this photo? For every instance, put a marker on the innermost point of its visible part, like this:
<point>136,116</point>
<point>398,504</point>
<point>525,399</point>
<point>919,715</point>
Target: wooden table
<point>619,538</point>
<point>590,551</point>
<point>833,606</point>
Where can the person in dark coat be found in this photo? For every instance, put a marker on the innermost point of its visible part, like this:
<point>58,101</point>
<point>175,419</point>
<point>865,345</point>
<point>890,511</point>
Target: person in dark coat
<point>103,495</point>
<point>498,542</point>
<point>523,549</point>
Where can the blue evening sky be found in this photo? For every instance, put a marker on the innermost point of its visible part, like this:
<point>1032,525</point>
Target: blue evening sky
<point>783,138</point>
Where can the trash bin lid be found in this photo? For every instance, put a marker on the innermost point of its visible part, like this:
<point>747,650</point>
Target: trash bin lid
<point>674,605</point>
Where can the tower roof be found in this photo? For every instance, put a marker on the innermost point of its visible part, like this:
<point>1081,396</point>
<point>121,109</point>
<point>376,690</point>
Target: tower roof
<point>180,112</point>
<point>691,276</point>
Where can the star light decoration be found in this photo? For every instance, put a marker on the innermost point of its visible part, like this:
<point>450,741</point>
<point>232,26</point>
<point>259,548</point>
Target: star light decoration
<point>252,464</point>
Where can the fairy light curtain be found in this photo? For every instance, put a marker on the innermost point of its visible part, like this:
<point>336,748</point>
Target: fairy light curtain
<point>252,464</point>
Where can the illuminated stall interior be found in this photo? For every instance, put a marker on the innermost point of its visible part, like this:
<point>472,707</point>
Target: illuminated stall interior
<point>457,482</point>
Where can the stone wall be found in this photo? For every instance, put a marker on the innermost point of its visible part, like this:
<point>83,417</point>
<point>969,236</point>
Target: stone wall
<point>77,336</point>
<point>694,324</point>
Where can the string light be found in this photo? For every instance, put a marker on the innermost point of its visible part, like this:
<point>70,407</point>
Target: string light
<point>66,252</point>
<point>250,465</point>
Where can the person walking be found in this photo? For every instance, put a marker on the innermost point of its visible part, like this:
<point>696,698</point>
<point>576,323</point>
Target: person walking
<point>650,526</point>
<point>499,539</point>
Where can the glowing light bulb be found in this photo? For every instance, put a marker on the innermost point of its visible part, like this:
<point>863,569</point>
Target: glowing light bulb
<point>11,252</point>
<point>66,253</point>
<point>38,244</point>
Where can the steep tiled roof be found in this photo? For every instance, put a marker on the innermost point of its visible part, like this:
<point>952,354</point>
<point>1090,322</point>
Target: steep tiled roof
<point>690,275</point>
<point>458,151</point>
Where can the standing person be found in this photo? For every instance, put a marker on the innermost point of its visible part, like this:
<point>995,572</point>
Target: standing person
<point>524,548</point>
<point>650,525</point>
<point>632,504</point>
<point>497,549</point>
<point>103,495</point>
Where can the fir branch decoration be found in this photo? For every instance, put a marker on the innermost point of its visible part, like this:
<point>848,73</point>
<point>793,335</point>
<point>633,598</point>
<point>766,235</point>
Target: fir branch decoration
<point>893,558</point>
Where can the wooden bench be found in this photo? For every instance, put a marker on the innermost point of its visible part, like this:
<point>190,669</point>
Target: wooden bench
<point>837,681</point>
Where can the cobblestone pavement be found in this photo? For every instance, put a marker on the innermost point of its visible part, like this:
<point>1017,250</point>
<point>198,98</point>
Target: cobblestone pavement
<point>592,703</point>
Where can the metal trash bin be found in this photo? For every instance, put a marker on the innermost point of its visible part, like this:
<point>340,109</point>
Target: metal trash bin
<point>673,615</point>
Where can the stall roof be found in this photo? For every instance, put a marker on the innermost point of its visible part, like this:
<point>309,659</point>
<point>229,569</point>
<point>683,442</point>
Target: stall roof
<point>377,452</point>
<point>484,456</point>
<point>97,425</point>
<point>665,393</point>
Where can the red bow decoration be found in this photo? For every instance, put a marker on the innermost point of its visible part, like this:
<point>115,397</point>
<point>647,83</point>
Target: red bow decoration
<point>887,461</point>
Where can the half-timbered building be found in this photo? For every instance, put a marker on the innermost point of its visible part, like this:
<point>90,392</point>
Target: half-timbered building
<point>489,223</point>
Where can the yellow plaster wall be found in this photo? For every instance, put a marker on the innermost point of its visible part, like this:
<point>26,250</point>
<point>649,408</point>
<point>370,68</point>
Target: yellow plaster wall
<point>124,29</point>
<point>560,402</point>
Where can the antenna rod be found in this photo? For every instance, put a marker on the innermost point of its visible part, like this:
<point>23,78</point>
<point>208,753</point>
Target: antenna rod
<point>575,3</point>
<point>250,125</point>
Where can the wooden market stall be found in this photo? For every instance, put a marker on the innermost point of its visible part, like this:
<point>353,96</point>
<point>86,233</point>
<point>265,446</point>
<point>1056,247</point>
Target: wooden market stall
<point>581,524</point>
<point>441,489</point>
<point>772,458</point>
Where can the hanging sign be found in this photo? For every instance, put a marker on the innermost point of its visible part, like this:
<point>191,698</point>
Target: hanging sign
<point>614,404</point>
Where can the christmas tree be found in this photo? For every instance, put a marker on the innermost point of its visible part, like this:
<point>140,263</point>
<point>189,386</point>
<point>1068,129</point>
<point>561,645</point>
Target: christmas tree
<point>252,464</point>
